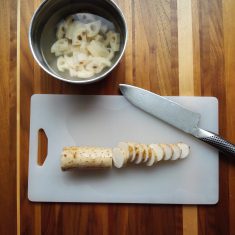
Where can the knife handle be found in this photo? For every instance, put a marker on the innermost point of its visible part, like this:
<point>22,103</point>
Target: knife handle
<point>216,141</point>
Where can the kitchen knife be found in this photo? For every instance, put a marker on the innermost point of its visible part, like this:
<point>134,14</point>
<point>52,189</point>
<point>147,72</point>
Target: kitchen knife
<point>175,115</point>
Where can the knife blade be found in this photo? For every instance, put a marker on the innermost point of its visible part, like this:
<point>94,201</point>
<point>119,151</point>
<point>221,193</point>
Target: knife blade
<point>175,115</point>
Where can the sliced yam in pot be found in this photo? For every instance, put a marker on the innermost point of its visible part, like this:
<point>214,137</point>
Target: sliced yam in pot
<point>185,149</point>
<point>118,157</point>
<point>151,159</point>
<point>138,153</point>
<point>131,147</point>
<point>157,151</point>
<point>168,152</point>
<point>176,152</point>
<point>145,154</point>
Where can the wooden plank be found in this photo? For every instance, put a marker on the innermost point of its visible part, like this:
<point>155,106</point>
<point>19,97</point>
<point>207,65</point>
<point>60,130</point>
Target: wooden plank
<point>186,86</point>
<point>213,84</point>
<point>8,28</point>
<point>229,52</point>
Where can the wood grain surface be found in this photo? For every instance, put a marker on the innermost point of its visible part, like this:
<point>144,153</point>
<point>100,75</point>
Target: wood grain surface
<point>175,47</point>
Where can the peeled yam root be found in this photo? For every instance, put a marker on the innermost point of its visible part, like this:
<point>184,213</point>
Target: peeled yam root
<point>125,153</point>
<point>85,45</point>
<point>129,153</point>
<point>86,157</point>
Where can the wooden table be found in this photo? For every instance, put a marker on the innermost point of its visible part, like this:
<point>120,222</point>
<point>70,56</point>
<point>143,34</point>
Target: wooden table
<point>175,47</point>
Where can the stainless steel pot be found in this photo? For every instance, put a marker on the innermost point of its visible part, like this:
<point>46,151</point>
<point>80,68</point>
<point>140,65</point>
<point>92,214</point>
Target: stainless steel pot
<point>42,32</point>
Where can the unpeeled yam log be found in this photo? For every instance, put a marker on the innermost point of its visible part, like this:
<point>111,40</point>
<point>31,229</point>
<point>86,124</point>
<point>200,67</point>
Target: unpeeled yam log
<point>86,157</point>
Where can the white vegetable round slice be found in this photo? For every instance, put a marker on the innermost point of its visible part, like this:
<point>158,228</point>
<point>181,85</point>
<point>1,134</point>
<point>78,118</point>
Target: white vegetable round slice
<point>84,74</point>
<point>168,152</point>
<point>68,21</point>
<point>62,64</point>
<point>138,153</point>
<point>60,46</point>
<point>112,39</point>
<point>103,28</point>
<point>86,17</point>
<point>145,154</point>
<point>97,48</point>
<point>158,151</point>
<point>131,147</point>
<point>94,67</point>
<point>80,58</point>
<point>118,157</point>
<point>176,152</point>
<point>185,149</point>
<point>111,54</point>
<point>124,146</point>
<point>151,159</point>
<point>93,28</point>
<point>60,32</point>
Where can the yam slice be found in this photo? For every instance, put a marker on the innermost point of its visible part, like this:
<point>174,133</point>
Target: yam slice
<point>138,153</point>
<point>168,152</point>
<point>119,157</point>
<point>151,159</point>
<point>176,152</point>
<point>157,151</point>
<point>124,146</point>
<point>145,154</point>
<point>131,147</point>
<point>185,149</point>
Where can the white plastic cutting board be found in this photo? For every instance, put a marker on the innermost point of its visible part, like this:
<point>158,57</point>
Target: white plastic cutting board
<point>104,121</point>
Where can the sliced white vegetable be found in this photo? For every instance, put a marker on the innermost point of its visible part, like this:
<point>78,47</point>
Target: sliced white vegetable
<point>118,157</point>
<point>94,67</point>
<point>97,64</point>
<point>124,146</point>
<point>86,17</point>
<point>93,28</point>
<point>113,39</point>
<point>97,49</point>
<point>80,58</point>
<point>62,64</point>
<point>176,152</point>
<point>157,151</point>
<point>60,46</point>
<point>84,74</point>
<point>83,33</point>
<point>138,153</point>
<point>185,149</point>
<point>60,32</point>
<point>77,34</point>
<point>103,28</point>
<point>68,21</point>
<point>151,159</point>
<point>131,147</point>
<point>111,54</point>
<point>99,38</point>
<point>145,154</point>
<point>168,152</point>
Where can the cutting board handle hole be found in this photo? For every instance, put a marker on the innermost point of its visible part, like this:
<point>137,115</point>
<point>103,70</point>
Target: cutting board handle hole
<point>42,146</point>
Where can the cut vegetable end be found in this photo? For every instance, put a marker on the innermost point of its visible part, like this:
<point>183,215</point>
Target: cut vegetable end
<point>118,157</point>
<point>124,147</point>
